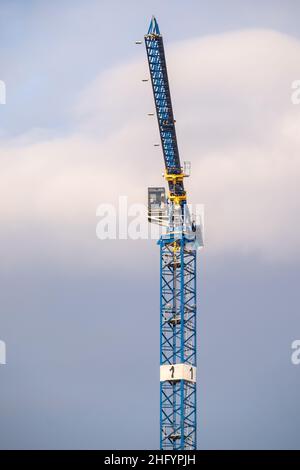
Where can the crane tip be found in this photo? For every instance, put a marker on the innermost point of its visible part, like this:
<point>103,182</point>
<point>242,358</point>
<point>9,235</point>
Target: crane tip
<point>154,28</point>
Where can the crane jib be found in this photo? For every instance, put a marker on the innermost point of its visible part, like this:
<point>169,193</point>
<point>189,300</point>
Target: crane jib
<point>164,110</point>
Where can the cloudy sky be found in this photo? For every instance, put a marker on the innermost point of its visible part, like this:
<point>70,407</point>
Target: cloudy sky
<point>80,316</point>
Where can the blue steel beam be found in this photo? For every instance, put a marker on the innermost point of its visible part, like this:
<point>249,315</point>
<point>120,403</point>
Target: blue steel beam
<point>177,343</point>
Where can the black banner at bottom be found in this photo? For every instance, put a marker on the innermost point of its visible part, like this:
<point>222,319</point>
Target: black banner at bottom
<point>136,459</point>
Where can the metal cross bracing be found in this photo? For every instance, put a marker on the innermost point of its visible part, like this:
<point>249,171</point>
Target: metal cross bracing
<point>178,423</point>
<point>178,344</point>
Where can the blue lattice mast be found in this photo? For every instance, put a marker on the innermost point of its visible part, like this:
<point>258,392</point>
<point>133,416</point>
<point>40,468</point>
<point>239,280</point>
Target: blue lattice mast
<point>178,248</point>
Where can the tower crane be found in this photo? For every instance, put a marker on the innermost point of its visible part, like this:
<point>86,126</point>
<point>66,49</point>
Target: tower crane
<point>178,248</point>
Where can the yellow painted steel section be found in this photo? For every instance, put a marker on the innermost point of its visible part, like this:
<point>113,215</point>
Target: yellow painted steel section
<point>177,199</point>
<point>174,178</point>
